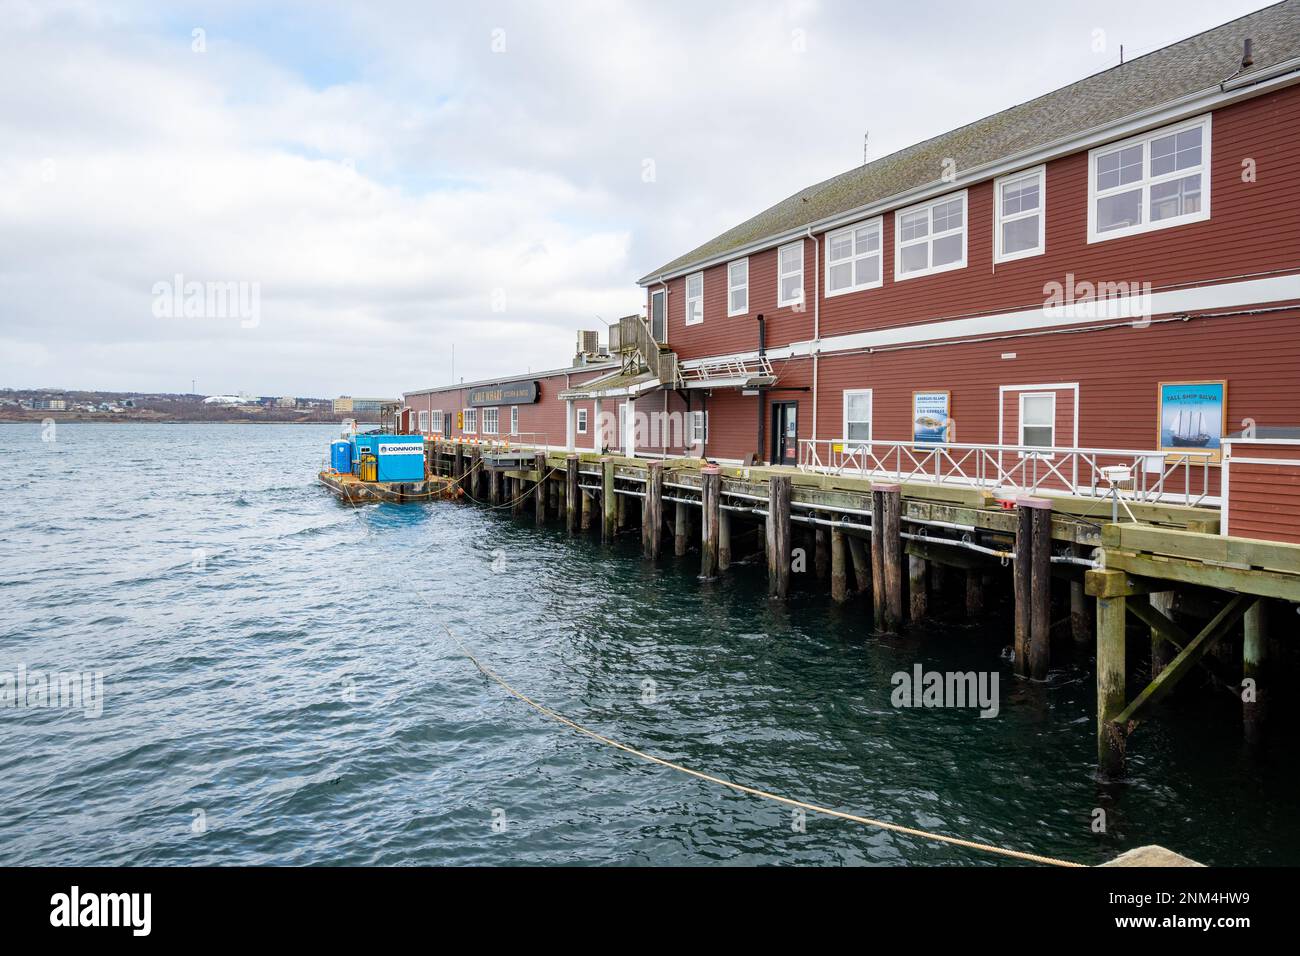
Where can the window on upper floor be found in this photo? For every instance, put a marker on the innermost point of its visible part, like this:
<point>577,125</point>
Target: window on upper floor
<point>695,298</point>
<point>582,421</point>
<point>738,287</point>
<point>853,258</point>
<point>1019,220</point>
<point>1152,181</point>
<point>699,429</point>
<point>789,275</point>
<point>857,416</point>
<point>930,237</point>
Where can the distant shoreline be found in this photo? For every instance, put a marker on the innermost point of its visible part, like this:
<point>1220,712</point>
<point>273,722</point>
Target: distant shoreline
<point>6,420</point>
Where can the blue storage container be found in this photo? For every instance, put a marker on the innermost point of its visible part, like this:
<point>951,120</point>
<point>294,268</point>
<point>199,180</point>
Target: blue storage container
<point>401,457</point>
<point>341,456</point>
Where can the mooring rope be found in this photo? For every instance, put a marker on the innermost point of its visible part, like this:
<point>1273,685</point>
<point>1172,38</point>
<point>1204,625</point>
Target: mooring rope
<point>753,791</point>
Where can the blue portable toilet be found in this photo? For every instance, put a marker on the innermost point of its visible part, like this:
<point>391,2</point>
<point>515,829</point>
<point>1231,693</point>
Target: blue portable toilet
<point>401,457</point>
<point>341,456</point>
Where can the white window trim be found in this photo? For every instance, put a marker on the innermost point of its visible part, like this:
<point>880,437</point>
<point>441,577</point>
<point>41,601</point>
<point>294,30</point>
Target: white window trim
<point>582,421</point>
<point>650,315</point>
<point>689,298</point>
<point>1147,181</point>
<point>853,443</point>
<point>734,287</point>
<point>699,424</point>
<point>471,421</point>
<point>999,220</point>
<point>929,204</point>
<point>782,276</point>
<point>496,429</point>
<point>437,425</point>
<point>879,223</point>
<point>514,419</point>
<point>1020,424</point>
<point>424,421</point>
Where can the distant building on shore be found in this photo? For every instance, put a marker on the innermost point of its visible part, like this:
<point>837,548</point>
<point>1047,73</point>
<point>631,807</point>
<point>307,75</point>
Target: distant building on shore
<point>347,405</point>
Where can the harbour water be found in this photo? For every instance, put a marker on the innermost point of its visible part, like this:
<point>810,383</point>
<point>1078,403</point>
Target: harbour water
<point>278,688</point>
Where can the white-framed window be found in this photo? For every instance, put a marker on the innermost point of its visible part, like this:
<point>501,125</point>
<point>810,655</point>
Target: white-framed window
<point>658,323</point>
<point>853,258</point>
<point>514,419</point>
<point>699,429</point>
<point>1152,181</point>
<point>789,275</point>
<point>582,421</point>
<point>930,237</point>
<point>471,421</point>
<point>437,421</point>
<point>695,298</point>
<point>424,422</point>
<point>1020,220</point>
<point>491,421</point>
<point>857,416</point>
<point>1037,419</point>
<point>737,287</point>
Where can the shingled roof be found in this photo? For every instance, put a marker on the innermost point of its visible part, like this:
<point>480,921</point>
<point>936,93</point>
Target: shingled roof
<point>1189,66</point>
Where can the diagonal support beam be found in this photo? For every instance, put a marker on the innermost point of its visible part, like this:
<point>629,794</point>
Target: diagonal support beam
<point>1187,658</point>
<point>1156,619</point>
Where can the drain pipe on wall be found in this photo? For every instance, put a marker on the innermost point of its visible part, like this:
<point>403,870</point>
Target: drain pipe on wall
<point>817,326</point>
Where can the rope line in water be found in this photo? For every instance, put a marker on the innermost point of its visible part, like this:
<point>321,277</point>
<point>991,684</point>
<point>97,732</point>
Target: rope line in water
<point>754,791</point>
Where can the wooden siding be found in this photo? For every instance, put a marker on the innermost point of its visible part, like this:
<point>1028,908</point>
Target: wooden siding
<point>1253,229</point>
<point>1264,499</point>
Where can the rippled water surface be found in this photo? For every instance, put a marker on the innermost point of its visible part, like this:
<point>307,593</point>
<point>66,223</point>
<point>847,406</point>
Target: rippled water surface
<point>277,678</point>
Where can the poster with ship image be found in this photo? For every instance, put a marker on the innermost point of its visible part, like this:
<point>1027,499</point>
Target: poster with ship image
<point>1193,417</point>
<point>931,416</point>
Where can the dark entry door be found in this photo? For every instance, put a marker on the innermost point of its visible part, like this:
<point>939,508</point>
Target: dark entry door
<point>785,433</point>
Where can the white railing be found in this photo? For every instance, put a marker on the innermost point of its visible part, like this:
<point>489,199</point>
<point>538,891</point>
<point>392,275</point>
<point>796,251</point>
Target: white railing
<point>730,368</point>
<point>1019,469</point>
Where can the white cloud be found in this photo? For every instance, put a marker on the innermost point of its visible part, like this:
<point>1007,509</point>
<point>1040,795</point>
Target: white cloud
<point>386,177</point>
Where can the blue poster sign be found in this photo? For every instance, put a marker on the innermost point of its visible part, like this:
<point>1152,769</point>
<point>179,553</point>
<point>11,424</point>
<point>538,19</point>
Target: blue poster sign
<point>1192,416</point>
<point>931,416</point>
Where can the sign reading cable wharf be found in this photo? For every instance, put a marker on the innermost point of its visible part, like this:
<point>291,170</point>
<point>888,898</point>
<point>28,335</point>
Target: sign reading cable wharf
<point>512,393</point>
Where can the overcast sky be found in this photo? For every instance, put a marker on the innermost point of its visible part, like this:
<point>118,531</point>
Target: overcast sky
<point>395,179</point>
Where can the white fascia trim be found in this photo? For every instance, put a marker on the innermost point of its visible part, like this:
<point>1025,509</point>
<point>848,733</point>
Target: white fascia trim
<point>1223,295</point>
<point>1216,97</point>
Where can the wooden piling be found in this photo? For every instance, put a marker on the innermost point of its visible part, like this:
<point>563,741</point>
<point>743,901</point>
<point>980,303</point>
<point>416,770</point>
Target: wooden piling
<point>890,542</point>
<point>1040,616</point>
<point>918,590</point>
<point>587,506</point>
<point>711,500</point>
<point>778,536</point>
<point>458,466</point>
<point>539,490</point>
<point>839,566</point>
<point>1111,677</point>
<point>878,558</point>
<point>974,592</point>
<point>494,486</point>
<point>1254,659</point>
<point>608,505</point>
<point>861,563</point>
<point>822,552</point>
<point>571,493</point>
<point>724,537</point>
<point>1023,579</point>
<point>517,496</point>
<point>1162,652</point>
<point>652,514</point>
<point>681,528</point>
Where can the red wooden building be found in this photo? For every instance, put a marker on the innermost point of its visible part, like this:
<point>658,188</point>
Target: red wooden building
<point>1106,275</point>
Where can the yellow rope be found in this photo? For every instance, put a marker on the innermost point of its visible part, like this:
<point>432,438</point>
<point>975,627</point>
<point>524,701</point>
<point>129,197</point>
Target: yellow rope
<point>753,791</point>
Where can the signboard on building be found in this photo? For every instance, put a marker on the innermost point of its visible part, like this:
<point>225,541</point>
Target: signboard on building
<point>511,393</point>
<point>931,416</point>
<point>1193,416</point>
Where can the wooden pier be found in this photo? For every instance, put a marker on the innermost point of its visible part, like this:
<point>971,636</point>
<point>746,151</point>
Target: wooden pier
<point>897,541</point>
